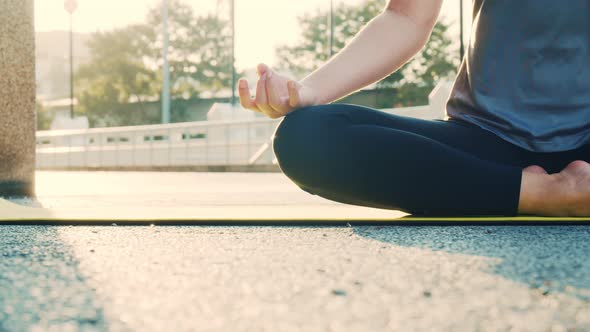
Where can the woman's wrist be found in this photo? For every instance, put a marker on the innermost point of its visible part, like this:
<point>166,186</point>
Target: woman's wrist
<point>311,95</point>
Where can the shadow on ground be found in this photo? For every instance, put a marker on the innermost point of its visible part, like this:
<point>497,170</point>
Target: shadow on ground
<point>41,287</point>
<point>549,258</point>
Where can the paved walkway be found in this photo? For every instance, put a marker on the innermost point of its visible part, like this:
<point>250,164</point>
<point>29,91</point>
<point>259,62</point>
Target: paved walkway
<point>370,278</point>
<point>119,195</point>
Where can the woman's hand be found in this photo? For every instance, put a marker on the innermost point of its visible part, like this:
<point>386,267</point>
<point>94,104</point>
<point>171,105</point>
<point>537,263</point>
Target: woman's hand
<point>276,95</point>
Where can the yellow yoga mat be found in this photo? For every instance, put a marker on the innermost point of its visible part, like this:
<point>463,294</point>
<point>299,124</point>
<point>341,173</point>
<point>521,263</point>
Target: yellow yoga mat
<point>245,215</point>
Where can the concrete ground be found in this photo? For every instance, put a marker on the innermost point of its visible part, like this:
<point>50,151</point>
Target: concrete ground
<point>280,278</point>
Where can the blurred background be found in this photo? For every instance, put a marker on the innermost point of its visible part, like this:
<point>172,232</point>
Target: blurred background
<point>151,83</point>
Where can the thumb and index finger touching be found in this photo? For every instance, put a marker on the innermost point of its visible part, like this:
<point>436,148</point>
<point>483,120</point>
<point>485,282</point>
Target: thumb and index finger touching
<point>292,100</point>
<point>292,86</point>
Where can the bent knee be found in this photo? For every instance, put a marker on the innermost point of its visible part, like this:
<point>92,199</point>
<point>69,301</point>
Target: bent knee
<point>296,140</point>
<point>292,133</point>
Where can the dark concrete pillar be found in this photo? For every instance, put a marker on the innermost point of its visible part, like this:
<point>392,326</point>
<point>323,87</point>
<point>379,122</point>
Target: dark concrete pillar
<point>17,98</point>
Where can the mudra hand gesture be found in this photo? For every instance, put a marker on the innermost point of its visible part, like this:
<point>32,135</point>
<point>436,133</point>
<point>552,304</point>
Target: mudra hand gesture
<point>276,95</point>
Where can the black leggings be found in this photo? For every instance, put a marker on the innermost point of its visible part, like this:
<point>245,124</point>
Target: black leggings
<point>358,155</point>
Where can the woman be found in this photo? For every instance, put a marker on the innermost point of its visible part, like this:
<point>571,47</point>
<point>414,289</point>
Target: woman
<point>517,140</point>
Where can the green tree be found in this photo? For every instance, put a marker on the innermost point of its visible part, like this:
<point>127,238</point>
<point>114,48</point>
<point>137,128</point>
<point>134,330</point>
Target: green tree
<point>413,81</point>
<point>199,50</point>
<point>313,48</point>
<point>116,74</point>
<point>126,64</point>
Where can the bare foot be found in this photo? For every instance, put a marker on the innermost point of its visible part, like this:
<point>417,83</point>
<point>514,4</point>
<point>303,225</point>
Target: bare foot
<point>576,175</point>
<point>575,193</point>
<point>535,169</point>
<point>562,194</point>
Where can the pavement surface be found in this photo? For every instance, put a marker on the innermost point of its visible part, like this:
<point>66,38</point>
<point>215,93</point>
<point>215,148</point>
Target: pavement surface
<point>281,278</point>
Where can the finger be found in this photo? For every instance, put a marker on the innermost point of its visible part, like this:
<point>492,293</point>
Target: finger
<point>262,99</point>
<point>293,94</point>
<point>261,69</point>
<point>277,104</point>
<point>245,100</point>
<point>266,73</point>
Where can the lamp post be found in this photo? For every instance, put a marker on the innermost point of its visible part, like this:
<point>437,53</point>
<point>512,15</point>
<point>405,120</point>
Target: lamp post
<point>166,66</point>
<point>461,49</point>
<point>331,28</point>
<point>233,64</point>
<point>71,6</point>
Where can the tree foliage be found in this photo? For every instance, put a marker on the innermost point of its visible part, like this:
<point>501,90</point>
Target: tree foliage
<point>413,81</point>
<point>312,50</point>
<point>126,63</point>
<point>117,73</point>
<point>199,50</point>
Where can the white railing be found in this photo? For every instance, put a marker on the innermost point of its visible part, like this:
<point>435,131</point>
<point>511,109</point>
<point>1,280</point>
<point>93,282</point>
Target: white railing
<point>204,143</point>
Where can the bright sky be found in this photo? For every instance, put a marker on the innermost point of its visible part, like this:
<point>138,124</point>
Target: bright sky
<point>260,24</point>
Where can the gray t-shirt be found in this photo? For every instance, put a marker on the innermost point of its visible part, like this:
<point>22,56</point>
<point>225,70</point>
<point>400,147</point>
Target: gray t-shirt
<point>526,73</point>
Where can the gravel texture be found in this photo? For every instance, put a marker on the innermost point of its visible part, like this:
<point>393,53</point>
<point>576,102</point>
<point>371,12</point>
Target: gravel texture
<point>368,278</point>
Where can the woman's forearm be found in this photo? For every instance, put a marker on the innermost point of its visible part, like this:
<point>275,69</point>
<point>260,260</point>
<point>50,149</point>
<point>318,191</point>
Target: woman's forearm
<point>381,47</point>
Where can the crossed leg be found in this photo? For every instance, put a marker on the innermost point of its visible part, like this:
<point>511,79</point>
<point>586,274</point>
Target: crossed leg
<point>357,155</point>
